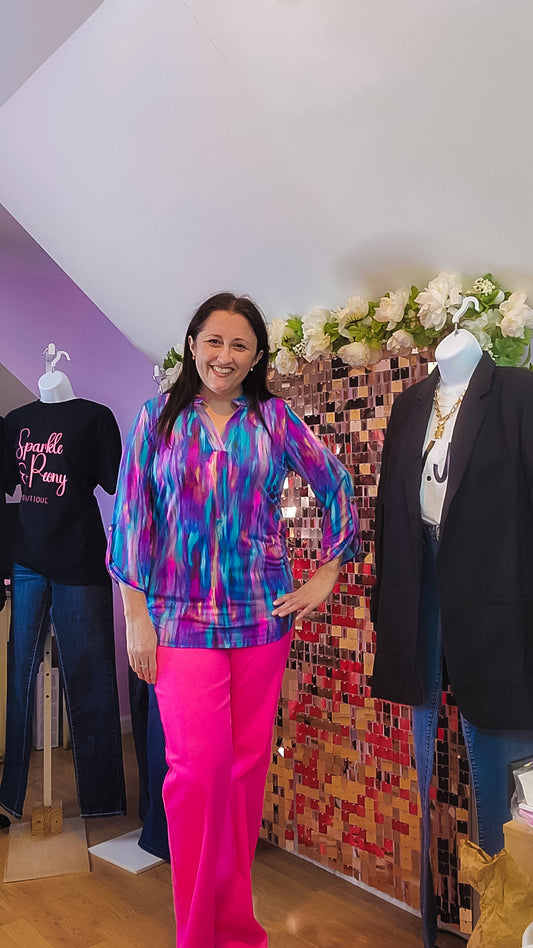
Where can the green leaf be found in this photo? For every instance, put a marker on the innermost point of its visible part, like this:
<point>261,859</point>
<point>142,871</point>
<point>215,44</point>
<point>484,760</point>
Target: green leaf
<point>339,342</point>
<point>295,333</point>
<point>331,329</point>
<point>411,302</point>
<point>360,333</point>
<point>508,350</point>
<point>379,331</point>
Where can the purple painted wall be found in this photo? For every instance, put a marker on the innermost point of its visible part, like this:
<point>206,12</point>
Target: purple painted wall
<point>39,304</point>
<point>36,309</point>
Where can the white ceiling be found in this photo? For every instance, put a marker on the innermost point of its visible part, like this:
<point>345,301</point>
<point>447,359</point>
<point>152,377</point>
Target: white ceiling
<point>30,32</point>
<point>298,151</point>
<point>13,393</point>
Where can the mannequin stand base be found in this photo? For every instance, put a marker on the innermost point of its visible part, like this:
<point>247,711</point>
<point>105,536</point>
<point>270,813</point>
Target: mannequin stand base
<point>125,852</point>
<point>47,819</point>
<point>38,857</point>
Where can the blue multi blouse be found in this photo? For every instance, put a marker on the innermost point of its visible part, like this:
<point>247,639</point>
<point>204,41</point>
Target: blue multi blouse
<point>198,526</point>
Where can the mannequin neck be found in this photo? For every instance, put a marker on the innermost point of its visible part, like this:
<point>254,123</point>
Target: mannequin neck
<point>457,356</point>
<point>55,387</point>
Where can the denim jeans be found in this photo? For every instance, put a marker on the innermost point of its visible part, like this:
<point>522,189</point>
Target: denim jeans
<point>149,741</point>
<point>82,617</point>
<point>489,752</point>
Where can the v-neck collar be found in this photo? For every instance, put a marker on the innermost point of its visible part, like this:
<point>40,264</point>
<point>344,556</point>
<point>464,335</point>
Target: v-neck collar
<point>219,440</point>
<point>240,400</point>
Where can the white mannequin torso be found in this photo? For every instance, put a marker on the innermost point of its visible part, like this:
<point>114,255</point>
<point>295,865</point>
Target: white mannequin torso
<point>55,387</point>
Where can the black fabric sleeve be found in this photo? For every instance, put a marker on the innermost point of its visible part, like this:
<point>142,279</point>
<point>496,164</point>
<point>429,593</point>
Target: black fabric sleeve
<point>108,450</point>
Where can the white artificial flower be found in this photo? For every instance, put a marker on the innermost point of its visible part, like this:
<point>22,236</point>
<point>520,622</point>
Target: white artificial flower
<point>400,343</point>
<point>169,376</point>
<point>482,287</point>
<point>286,362</point>
<point>516,315</point>
<point>316,344</point>
<point>314,321</point>
<point>356,354</point>
<point>356,308</point>
<point>481,326</point>
<point>482,337</point>
<point>173,373</point>
<point>442,292</point>
<point>276,331</point>
<point>391,308</point>
<point>375,356</point>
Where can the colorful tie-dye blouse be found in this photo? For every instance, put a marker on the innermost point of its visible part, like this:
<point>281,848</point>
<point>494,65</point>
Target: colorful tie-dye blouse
<point>198,527</point>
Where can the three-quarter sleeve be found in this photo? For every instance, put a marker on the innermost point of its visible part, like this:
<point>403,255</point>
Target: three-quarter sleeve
<point>129,548</point>
<point>332,485</point>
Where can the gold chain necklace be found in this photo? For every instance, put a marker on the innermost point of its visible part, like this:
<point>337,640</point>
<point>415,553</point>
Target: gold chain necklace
<point>441,420</point>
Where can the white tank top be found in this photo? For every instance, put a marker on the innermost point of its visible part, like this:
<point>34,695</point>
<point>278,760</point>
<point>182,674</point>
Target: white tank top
<point>435,472</point>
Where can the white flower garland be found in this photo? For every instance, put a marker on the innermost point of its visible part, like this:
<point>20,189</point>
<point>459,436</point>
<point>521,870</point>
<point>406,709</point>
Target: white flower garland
<point>363,332</point>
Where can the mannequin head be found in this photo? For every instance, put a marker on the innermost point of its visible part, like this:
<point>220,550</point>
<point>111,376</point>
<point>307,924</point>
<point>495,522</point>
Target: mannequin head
<point>457,356</point>
<point>55,387</point>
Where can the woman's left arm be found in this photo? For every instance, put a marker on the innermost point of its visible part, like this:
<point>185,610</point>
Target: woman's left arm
<point>310,594</point>
<point>333,487</point>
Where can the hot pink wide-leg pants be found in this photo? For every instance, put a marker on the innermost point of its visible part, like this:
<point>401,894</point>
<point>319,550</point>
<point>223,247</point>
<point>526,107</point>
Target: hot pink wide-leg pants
<point>217,707</point>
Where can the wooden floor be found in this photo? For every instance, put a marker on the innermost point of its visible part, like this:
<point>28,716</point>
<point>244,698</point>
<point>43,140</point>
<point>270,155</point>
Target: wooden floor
<point>299,904</point>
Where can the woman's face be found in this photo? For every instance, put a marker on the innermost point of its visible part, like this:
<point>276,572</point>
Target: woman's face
<point>224,351</point>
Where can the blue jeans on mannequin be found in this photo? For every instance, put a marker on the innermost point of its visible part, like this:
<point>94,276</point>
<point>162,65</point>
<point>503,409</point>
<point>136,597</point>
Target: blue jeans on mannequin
<point>489,752</point>
<point>149,742</point>
<point>82,617</point>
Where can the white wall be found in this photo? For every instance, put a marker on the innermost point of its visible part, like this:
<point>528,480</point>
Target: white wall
<point>298,151</point>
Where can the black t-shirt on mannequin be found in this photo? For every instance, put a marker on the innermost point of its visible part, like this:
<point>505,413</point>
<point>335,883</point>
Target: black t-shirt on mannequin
<point>59,449</point>
<point>59,452</point>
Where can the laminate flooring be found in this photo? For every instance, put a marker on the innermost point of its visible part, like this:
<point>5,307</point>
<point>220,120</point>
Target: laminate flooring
<point>300,905</point>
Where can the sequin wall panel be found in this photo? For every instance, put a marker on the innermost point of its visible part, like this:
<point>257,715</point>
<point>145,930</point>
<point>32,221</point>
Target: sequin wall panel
<point>342,784</point>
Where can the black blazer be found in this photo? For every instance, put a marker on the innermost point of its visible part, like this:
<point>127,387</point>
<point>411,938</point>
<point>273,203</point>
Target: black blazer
<point>485,559</point>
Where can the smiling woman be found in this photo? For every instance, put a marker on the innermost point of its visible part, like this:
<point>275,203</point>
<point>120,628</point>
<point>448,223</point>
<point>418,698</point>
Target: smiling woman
<point>232,336</point>
<point>198,547</point>
<point>225,351</point>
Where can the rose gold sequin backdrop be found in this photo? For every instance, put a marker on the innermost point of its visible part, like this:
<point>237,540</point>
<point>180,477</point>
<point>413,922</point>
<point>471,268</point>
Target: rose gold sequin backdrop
<point>342,785</point>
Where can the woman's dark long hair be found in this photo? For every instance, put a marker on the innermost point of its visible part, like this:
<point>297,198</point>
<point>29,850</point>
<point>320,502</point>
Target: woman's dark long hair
<point>188,383</point>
